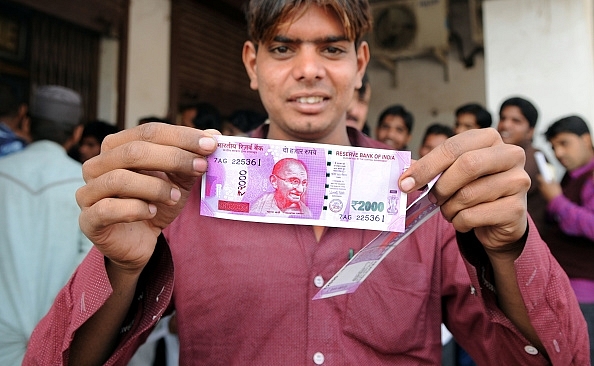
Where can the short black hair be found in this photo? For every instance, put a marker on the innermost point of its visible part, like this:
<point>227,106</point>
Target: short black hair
<point>438,129</point>
<point>398,110</point>
<point>526,107</point>
<point>570,124</point>
<point>99,130</point>
<point>483,117</point>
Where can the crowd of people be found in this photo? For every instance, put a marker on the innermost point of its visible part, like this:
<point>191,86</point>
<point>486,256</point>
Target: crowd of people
<point>104,257</point>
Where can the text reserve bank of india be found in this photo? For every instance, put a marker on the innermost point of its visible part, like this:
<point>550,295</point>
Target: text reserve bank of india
<point>290,182</point>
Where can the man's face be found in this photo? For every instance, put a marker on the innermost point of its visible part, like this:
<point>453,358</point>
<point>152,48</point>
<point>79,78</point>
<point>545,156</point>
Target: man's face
<point>357,111</point>
<point>430,143</point>
<point>571,150</point>
<point>513,127</point>
<point>392,131</point>
<point>89,147</point>
<point>290,185</point>
<point>306,77</point>
<point>465,122</point>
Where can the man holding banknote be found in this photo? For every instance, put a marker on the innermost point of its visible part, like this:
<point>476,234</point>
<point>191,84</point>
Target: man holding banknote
<point>243,290</point>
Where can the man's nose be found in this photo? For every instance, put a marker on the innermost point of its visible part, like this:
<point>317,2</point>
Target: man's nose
<point>308,64</point>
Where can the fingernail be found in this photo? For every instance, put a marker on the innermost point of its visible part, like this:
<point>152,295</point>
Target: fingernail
<point>152,208</point>
<point>175,194</point>
<point>207,143</point>
<point>407,184</point>
<point>199,164</point>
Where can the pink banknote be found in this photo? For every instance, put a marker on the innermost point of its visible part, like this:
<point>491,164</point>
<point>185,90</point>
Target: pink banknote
<point>290,182</point>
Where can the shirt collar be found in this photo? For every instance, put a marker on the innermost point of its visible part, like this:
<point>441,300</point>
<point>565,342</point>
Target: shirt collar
<point>581,170</point>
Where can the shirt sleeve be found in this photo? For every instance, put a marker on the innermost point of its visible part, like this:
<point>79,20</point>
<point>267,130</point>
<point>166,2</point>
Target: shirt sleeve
<point>86,291</point>
<point>574,219</point>
<point>549,299</point>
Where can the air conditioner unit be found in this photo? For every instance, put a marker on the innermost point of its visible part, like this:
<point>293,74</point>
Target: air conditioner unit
<point>409,28</point>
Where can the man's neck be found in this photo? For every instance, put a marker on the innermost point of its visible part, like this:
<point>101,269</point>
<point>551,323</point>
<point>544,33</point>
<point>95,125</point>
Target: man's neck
<point>337,137</point>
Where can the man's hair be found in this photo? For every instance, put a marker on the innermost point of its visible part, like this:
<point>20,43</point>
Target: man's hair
<point>527,108</point>
<point>264,17</point>
<point>438,129</point>
<point>570,124</point>
<point>483,117</point>
<point>9,104</point>
<point>246,120</point>
<point>207,117</point>
<point>398,110</point>
<point>99,130</point>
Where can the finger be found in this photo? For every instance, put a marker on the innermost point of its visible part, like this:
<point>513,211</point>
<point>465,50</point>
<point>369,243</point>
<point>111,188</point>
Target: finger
<point>96,221</point>
<point>123,183</point>
<point>142,155</point>
<point>186,138</point>
<point>464,174</point>
<point>495,223</point>
<point>440,158</point>
<point>489,188</point>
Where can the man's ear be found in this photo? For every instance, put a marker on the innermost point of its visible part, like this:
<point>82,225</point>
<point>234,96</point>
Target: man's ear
<point>363,56</point>
<point>274,181</point>
<point>249,55</point>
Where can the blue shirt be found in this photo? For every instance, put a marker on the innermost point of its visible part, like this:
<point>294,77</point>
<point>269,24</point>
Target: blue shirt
<point>9,141</point>
<point>40,239</point>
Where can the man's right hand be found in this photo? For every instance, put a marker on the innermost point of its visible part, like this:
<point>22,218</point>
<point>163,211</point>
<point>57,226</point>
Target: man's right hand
<point>137,186</point>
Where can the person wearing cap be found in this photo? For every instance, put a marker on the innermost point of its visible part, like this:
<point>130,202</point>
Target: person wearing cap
<point>570,209</point>
<point>40,239</point>
<point>517,120</point>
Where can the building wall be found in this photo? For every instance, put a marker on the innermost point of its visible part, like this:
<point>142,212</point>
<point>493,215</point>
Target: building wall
<point>147,90</point>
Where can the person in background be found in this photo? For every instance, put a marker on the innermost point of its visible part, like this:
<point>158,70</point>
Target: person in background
<point>92,136</point>
<point>242,291</point>
<point>470,116</point>
<point>241,122</point>
<point>435,135</point>
<point>357,111</point>
<point>148,119</point>
<point>394,127</point>
<point>14,123</point>
<point>207,116</point>
<point>517,120</point>
<point>187,113</point>
<point>41,242</point>
<point>570,230</point>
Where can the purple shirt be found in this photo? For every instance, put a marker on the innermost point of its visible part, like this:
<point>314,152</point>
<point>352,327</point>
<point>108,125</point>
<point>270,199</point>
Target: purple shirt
<point>243,296</point>
<point>574,219</point>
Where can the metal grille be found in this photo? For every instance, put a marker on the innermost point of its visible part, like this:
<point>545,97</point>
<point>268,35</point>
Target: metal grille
<point>64,54</point>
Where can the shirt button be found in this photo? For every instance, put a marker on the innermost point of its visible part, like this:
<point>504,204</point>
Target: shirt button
<point>318,358</point>
<point>531,350</point>
<point>319,281</point>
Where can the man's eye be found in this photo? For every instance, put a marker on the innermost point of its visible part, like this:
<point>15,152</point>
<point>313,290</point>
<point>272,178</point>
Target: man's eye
<point>333,50</point>
<point>280,49</point>
<point>294,181</point>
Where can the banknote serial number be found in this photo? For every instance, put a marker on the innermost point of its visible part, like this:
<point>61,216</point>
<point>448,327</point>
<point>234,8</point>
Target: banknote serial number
<point>253,162</point>
<point>365,217</point>
<point>367,206</point>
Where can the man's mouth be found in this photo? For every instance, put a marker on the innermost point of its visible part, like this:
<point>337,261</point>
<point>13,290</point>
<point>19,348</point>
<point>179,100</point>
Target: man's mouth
<point>309,100</point>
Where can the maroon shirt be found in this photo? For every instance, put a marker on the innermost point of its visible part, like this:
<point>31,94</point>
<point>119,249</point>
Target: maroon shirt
<point>243,295</point>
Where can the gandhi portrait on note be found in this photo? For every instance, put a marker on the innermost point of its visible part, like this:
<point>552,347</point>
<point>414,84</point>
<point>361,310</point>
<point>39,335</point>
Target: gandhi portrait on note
<point>289,180</point>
